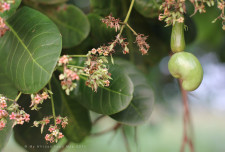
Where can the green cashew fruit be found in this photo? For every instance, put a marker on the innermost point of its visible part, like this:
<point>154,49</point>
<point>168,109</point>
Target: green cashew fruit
<point>186,66</point>
<point>177,41</point>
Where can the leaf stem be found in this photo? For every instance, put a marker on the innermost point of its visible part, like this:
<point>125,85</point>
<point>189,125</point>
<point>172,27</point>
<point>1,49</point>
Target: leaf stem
<point>127,17</point>
<point>114,128</point>
<point>135,33</point>
<point>18,96</point>
<point>98,119</point>
<point>75,66</point>
<point>52,101</point>
<point>125,140</point>
<point>78,56</point>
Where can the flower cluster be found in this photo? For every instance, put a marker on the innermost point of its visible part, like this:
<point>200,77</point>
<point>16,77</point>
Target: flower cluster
<point>38,98</point>
<point>3,112</point>
<point>221,5</point>
<point>69,74</point>
<point>140,38</point>
<point>109,50</point>
<point>19,116</point>
<point>5,5</point>
<point>3,27</point>
<point>142,44</point>
<point>173,10</point>
<point>96,69</point>
<point>55,134</point>
<point>112,22</point>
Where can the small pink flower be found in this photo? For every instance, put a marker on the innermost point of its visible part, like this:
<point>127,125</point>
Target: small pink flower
<point>46,120</point>
<point>107,82</point>
<point>20,120</point>
<point>37,99</point>
<point>52,128</point>
<point>12,116</point>
<point>44,95</point>
<point>2,125</point>
<point>2,99</point>
<point>60,135</point>
<point>3,104</point>
<point>27,117</point>
<point>58,120</point>
<point>74,76</point>
<point>64,60</point>
<point>3,113</point>
<point>6,6</point>
<point>47,137</point>
<point>64,124</point>
<point>93,51</point>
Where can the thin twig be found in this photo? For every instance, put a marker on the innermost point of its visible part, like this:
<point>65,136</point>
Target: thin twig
<point>98,119</point>
<point>52,102</point>
<point>107,130</point>
<point>127,17</point>
<point>136,138</point>
<point>125,140</point>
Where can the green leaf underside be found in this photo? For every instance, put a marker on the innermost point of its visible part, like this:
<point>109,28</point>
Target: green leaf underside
<point>107,100</point>
<point>72,23</point>
<point>141,106</point>
<point>29,51</point>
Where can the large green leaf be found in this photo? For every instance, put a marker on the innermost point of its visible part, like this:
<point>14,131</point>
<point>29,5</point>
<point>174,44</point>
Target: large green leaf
<point>141,106</point>
<point>29,51</point>
<point>12,10</point>
<point>72,23</point>
<point>148,8</point>
<point>107,100</point>
<point>79,119</point>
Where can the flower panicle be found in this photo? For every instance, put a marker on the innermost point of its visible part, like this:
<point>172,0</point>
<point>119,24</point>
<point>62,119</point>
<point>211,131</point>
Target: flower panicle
<point>13,112</point>
<point>112,22</point>
<point>54,130</point>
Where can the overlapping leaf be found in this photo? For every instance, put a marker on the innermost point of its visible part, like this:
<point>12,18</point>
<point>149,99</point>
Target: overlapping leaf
<point>107,100</point>
<point>72,23</point>
<point>79,119</point>
<point>148,8</point>
<point>141,106</point>
<point>29,51</point>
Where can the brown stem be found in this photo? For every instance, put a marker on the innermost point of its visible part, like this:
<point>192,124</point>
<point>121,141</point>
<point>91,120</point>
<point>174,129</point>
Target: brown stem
<point>125,140</point>
<point>98,119</point>
<point>187,122</point>
<point>117,126</point>
<point>64,146</point>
